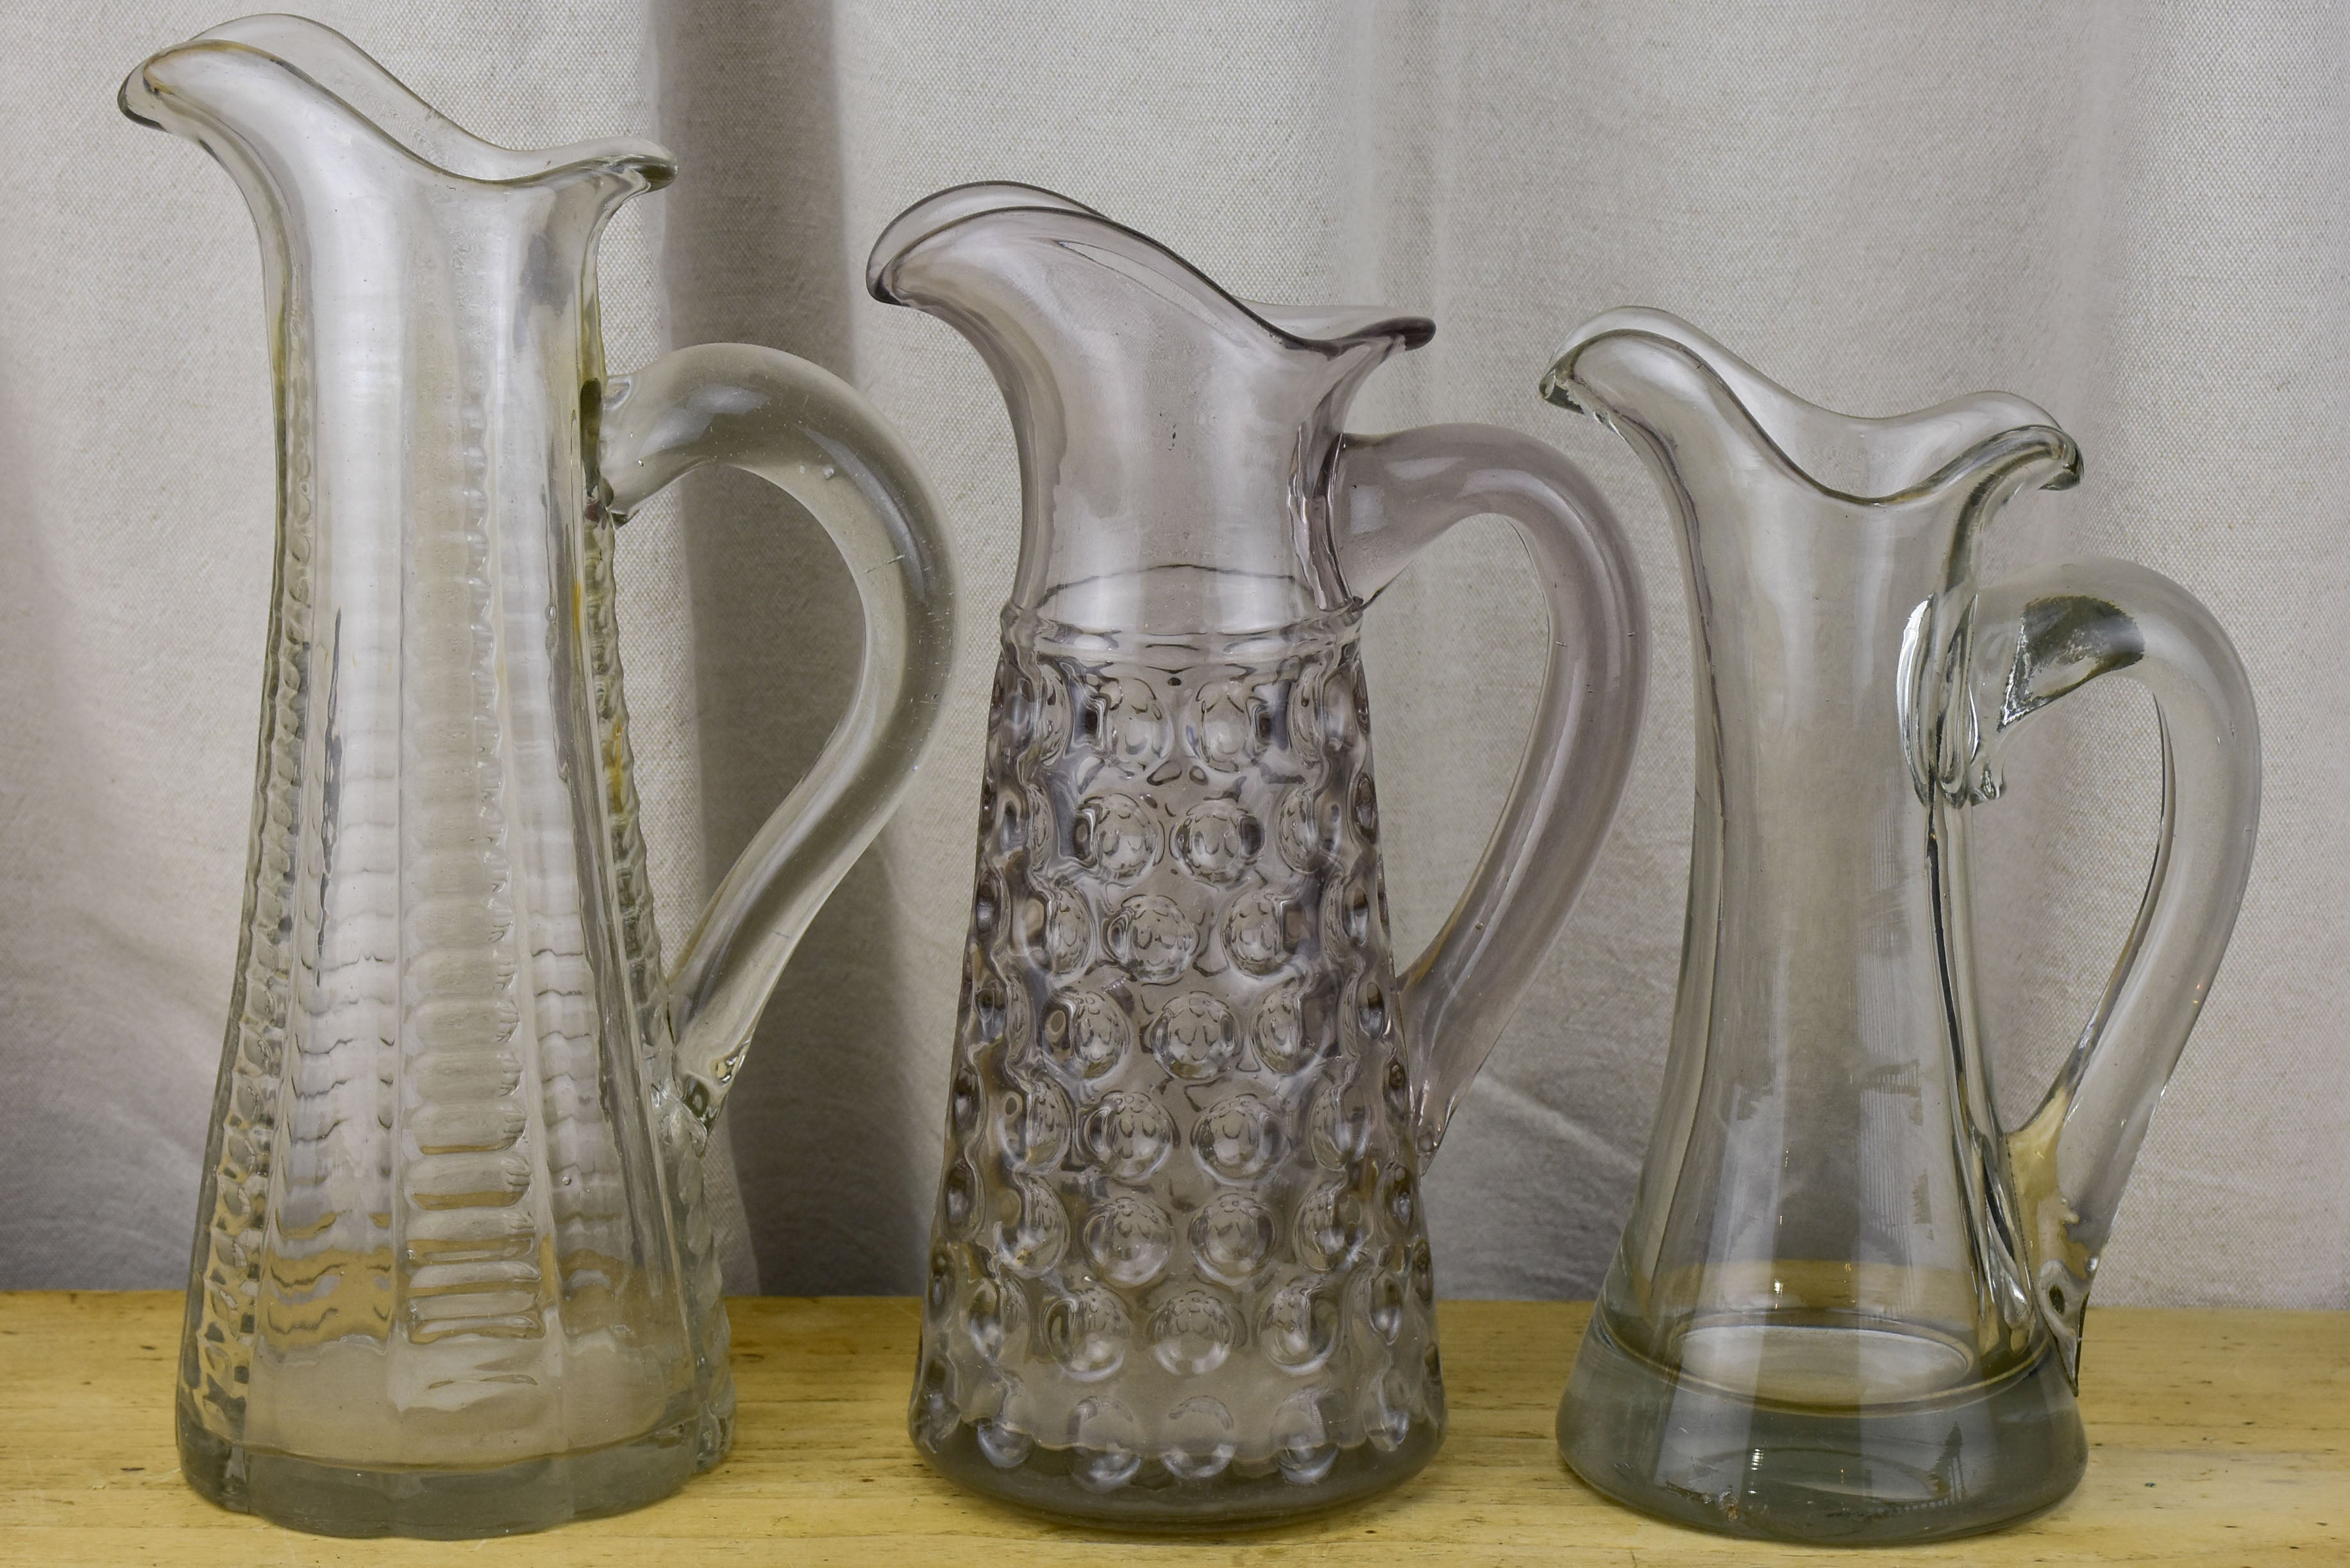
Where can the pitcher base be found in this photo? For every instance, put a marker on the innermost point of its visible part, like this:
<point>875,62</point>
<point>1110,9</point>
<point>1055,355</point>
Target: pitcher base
<point>441,1504</point>
<point>1926,1470</point>
<point>1150,1498</point>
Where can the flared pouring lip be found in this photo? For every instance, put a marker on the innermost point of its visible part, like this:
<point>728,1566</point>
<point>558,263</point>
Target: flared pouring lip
<point>2011,430</point>
<point>500,166</point>
<point>1326,329</point>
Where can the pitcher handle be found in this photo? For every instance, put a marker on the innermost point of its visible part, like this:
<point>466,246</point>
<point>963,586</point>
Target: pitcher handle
<point>1389,497</point>
<point>2035,637</point>
<point>817,439</point>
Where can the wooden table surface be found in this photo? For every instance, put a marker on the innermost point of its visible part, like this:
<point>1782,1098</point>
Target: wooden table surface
<point>2216,1438</point>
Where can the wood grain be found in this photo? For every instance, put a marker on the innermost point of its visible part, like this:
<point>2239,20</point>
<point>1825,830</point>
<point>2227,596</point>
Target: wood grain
<point>2218,1437</point>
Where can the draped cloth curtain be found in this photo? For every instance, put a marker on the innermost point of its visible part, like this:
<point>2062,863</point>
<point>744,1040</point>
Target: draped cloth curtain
<point>2131,214</point>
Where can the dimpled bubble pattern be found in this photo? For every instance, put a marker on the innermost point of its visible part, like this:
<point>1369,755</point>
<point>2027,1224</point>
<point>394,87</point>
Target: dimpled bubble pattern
<point>1182,1277</point>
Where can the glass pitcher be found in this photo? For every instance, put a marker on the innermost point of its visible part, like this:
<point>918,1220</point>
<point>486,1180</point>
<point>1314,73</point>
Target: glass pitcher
<point>1848,1305</point>
<point>453,1270</point>
<point>1180,1272</point>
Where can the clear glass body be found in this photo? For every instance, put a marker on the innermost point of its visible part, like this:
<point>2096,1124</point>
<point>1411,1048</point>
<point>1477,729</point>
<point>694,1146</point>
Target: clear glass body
<point>1179,1275</point>
<point>453,1271</point>
<point>1847,1306</point>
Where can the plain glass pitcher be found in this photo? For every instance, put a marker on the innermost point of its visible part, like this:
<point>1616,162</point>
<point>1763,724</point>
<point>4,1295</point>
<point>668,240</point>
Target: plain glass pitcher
<point>1180,1272</point>
<point>1848,1304</point>
<point>453,1268</point>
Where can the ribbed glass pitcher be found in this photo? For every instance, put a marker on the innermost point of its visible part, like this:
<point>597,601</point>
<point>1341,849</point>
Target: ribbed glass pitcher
<point>1180,1272</point>
<point>1848,1304</point>
<point>453,1268</point>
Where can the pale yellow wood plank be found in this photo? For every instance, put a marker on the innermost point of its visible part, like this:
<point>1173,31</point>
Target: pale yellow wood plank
<point>2218,1437</point>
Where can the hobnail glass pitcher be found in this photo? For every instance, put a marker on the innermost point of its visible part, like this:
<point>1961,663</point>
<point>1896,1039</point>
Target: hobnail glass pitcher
<point>1179,1273</point>
<point>453,1268</point>
<point>1848,1304</point>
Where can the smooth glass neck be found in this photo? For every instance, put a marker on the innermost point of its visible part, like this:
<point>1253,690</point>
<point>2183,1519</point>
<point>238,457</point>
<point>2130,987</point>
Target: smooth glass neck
<point>1172,438</point>
<point>1831,559</point>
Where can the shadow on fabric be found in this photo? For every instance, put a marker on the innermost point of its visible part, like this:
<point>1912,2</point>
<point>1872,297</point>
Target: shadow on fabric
<point>753,244</point>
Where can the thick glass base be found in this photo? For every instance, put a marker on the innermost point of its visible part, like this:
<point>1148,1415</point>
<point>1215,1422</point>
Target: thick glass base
<point>1151,1498</point>
<point>1921,1470</point>
<point>438,1504</point>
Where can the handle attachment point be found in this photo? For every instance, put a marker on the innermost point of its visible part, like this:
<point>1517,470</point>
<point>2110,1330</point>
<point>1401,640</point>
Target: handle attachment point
<point>1389,498</point>
<point>2029,641</point>
<point>817,439</point>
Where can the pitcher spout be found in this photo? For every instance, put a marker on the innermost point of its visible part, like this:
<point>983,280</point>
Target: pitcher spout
<point>1659,382</point>
<point>1172,437</point>
<point>294,108</point>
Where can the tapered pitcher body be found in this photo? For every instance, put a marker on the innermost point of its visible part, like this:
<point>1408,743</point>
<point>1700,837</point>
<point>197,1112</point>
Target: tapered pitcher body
<point>455,1271</point>
<point>1848,1303</point>
<point>1179,1274</point>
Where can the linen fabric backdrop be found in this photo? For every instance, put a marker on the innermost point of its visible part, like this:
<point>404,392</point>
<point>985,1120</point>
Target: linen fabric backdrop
<point>2132,214</point>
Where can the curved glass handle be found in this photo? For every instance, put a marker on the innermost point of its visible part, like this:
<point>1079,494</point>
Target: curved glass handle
<point>814,437</point>
<point>2035,637</point>
<point>1390,497</point>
